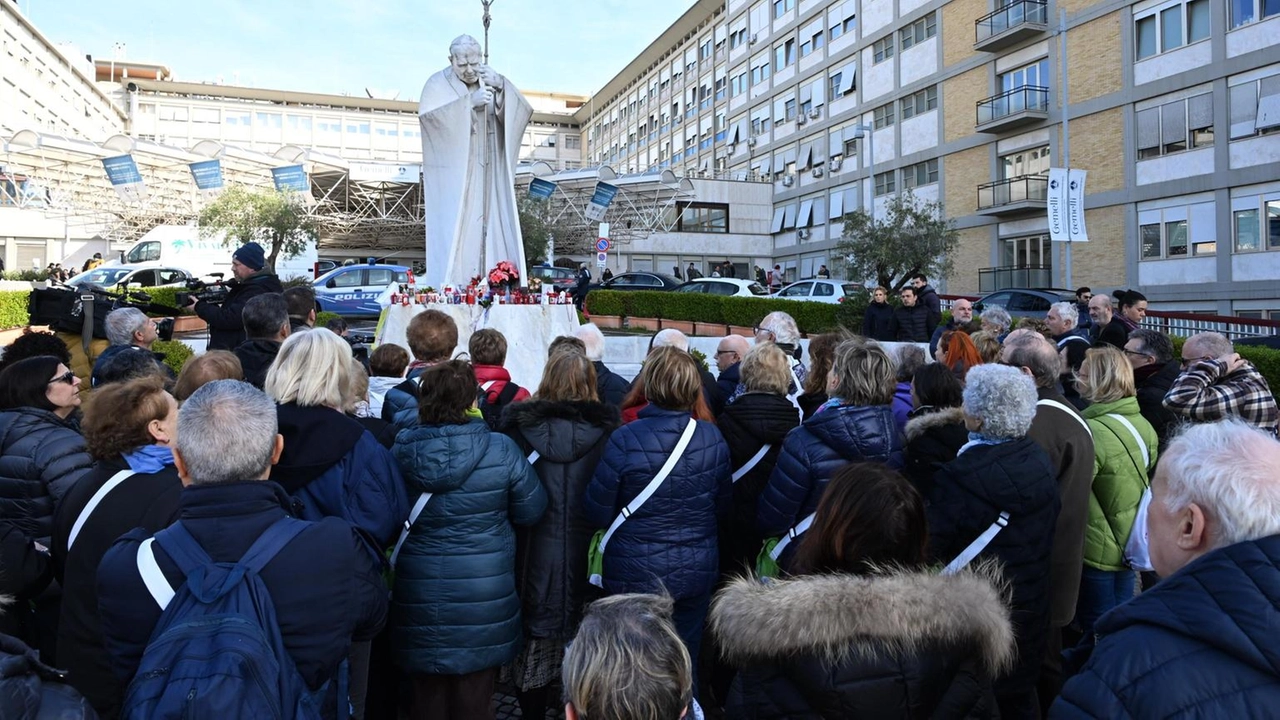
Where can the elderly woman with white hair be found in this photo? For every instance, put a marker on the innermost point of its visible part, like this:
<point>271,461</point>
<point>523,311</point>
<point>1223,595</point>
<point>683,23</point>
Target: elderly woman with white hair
<point>996,320</point>
<point>1002,482</point>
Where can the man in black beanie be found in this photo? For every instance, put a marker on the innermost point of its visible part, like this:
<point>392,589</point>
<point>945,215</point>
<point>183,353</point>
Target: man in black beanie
<point>252,278</point>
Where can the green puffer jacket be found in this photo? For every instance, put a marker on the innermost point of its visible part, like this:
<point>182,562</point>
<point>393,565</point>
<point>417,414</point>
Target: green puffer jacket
<point>1120,475</point>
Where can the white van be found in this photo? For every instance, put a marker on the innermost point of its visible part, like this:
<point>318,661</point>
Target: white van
<point>182,246</point>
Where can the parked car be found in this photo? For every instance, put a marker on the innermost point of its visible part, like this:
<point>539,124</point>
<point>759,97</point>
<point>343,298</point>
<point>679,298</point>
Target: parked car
<point>637,281</point>
<point>110,276</point>
<point>820,290</point>
<point>559,278</point>
<point>354,289</point>
<point>1025,302</point>
<point>724,286</point>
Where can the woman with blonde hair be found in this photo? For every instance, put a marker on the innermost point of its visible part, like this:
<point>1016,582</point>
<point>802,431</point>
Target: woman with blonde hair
<point>989,348</point>
<point>855,425</point>
<point>563,428</point>
<point>1124,446</point>
<point>667,540</point>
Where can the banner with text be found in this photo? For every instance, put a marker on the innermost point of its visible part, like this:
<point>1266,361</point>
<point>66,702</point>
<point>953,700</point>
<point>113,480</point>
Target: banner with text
<point>123,173</point>
<point>291,177</point>
<point>1057,204</point>
<point>600,200</point>
<point>541,189</point>
<point>207,175</point>
<point>1075,206</point>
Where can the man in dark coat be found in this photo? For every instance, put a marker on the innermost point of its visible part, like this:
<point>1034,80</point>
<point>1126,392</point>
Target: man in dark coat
<point>302,307</point>
<point>611,387</point>
<point>1155,369</point>
<point>266,322</point>
<point>1063,321</point>
<point>326,587</point>
<point>1060,431</point>
<point>1107,328</point>
<point>961,317</point>
<point>911,321</point>
<point>729,354</point>
<point>928,297</point>
<point>1201,642</point>
<point>252,278</point>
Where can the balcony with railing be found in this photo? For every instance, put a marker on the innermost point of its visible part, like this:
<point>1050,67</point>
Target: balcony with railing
<point>1011,24</point>
<point>1003,278</point>
<point>1014,196</point>
<point>1013,108</point>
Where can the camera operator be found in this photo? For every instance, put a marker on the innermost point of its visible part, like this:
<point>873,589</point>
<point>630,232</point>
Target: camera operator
<point>127,329</point>
<point>226,325</point>
<point>266,321</point>
<point>302,307</point>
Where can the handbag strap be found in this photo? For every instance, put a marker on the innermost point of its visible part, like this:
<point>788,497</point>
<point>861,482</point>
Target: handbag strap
<point>1074,415</point>
<point>1142,444</point>
<point>418,507</point>
<point>754,461</point>
<point>801,528</point>
<point>967,555</point>
<point>653,485</point>
<point>533,457</point>
<point>97,498</point>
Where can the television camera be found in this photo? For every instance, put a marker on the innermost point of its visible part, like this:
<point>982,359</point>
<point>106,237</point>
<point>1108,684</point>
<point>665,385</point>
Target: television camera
<point>204,291</point>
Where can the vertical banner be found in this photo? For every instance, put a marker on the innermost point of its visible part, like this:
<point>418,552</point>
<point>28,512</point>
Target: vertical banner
<point>1075,206</point>
<point>123,173</point>
<point>1057,203</point>
<point>207,175</point>
<point>540,189</point>
<point>600,200</point>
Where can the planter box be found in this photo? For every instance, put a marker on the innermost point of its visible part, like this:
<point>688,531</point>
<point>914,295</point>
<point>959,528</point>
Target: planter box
<point>188,323</point>
<point>710,329</point>
<point>740,330</point>
<point>650,324</point>
<point>606,321</point>
<point>684,326</point>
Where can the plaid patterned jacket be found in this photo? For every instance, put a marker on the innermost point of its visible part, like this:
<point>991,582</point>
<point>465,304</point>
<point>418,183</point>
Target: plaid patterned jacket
<point>1205,392</point>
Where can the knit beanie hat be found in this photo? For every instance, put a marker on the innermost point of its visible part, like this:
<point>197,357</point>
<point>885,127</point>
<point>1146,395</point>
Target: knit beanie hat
<point>251,255</point>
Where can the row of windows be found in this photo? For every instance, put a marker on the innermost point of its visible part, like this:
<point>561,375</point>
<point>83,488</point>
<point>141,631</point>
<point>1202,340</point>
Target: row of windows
<point>921,173</point>
<point>1191,230</point>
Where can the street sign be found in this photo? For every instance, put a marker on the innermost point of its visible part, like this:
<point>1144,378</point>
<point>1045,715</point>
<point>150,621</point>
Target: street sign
<point>602,244</point>
<point>602,259</point>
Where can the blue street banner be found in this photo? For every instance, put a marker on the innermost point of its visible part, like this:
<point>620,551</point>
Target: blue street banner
<point>600,200</point>
<point>541,189</point>
<point>123,174</point>
<point>207,174</point>
<point>291,177</point>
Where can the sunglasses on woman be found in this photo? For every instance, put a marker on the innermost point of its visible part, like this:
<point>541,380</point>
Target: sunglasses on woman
<point>68,377</point>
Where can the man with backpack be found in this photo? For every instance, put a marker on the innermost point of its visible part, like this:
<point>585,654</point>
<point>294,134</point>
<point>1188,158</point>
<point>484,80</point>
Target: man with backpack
<point>488,350</point>
<point>237,609</point>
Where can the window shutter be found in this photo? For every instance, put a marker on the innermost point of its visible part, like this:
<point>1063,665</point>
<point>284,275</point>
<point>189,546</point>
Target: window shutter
<point>1173,122</point>
<point>1200,111</point>
<point>1148,129</point>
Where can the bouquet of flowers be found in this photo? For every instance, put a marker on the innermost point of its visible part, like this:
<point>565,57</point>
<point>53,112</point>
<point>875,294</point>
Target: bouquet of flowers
<point>504,275</point>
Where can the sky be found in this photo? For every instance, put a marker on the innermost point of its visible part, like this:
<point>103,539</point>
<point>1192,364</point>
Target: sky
<point>346,46</point>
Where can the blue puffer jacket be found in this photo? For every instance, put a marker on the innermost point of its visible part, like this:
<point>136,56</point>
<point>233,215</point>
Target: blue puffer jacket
<point>813,452</point>
<point>400,403</point>
<point>454,604</point>
<point>1201,643</point>
<point>41,458</point>
<point>671,540</point>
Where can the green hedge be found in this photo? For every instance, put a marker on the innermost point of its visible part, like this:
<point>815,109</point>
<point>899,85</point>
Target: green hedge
<point>811,317</point>
<point>1266,360</point>
<point>13,309</point>
<point>323,318</point>
<point>176,353</point>
<point>167,296</point>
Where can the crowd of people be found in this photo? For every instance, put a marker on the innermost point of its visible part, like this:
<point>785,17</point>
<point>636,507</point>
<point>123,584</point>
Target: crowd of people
<point>999,526</point>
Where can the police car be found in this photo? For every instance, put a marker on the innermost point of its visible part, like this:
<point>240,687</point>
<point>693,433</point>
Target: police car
<point>354,289</point>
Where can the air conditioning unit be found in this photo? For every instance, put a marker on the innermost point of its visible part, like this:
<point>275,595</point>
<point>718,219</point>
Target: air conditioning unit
<point>751,142</point>
<point>815,113</point>
<point>817,171</point>
<point>802,234</point>
<point>788,180</point>
<point>835,164</point>
<point>801,119</point>
<point>753,39</point>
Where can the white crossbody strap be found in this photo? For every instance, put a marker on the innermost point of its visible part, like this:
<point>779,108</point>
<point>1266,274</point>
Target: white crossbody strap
<point>152,577</point>
<point>1074,415</point>
<point>106,488</point>
<point>801,528</point>
<point>754,461</point>
<point>533,457</point>
<point>967,555</point>
<point>1146,455</point>
<point>486,385</point>
<point>653,485</point>
<point>418,506</point>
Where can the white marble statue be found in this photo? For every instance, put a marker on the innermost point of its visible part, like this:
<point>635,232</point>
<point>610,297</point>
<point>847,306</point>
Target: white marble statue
<point>472,123</point>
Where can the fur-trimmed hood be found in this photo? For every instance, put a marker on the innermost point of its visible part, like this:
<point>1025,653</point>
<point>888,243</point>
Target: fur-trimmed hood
<point>561,432</point>
<point>921,424</point>
<point>837,616</point>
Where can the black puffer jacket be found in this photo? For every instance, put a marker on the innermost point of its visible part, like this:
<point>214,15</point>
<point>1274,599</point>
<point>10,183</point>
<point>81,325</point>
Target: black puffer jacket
<point>911,324</point>
<point>934,436</point>
<point>226,326</point>
<point>256,357</point>
<point>1152,387</point>
<point>41,457</point>
<point>907,645</point>
<point>969,493</point>
<point>877,322</point>
<point>551,568</point>
<point>749,423</point>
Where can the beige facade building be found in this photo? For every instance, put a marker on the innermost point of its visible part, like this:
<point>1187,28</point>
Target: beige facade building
<point>1173,109</point>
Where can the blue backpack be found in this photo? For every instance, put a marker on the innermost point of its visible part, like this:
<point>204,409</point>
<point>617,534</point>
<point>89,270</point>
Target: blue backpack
<point>216,652</point>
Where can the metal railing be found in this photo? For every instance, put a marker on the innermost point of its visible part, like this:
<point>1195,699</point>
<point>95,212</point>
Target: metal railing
<point>1019,99</point>
<point>1026,276</point>
<point>1024,188</point>
<point>1010,16</point>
